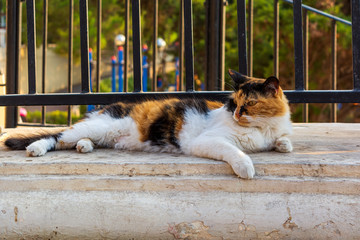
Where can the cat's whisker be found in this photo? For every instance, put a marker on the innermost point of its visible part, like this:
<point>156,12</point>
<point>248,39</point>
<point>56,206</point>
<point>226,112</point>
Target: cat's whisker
<point>230,86</point>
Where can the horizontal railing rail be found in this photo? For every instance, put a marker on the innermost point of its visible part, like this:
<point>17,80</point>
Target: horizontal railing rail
<point>294,96</point>
<point>314,10</point>
<point>87,97</point>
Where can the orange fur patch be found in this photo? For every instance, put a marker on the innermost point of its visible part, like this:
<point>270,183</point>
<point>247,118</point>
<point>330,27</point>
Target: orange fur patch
<point>212,105</point>
<point>266,106</point>
<point>269,106</point>
<point>146,113</point>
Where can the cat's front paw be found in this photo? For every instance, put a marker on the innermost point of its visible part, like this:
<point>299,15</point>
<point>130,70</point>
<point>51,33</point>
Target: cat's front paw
<point>283,145</point>
<point>36,149</point>
<point>84,146</point>
<point>244,167</point>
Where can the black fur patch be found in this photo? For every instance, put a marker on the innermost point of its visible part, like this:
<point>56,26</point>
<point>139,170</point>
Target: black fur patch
<point>20,143</point>
<point>196,104</point>
<point>162,130</point>
<point>118,110</point>
<point>252,87</point>
<point>230,105</point>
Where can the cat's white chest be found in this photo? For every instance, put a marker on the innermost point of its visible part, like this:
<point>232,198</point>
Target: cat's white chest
<point>249,139</point>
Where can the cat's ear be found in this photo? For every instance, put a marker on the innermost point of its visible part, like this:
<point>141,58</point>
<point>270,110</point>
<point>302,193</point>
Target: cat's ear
<point>271,85</point>
<point>238,78</point>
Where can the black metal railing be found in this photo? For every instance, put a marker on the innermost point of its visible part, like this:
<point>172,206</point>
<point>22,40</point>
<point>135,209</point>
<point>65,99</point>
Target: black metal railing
<point>86,97</point>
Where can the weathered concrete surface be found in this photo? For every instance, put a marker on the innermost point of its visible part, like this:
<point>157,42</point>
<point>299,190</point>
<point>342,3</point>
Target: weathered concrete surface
<point>154,215</point>
<point>312,193</point>
<point>320,150</point>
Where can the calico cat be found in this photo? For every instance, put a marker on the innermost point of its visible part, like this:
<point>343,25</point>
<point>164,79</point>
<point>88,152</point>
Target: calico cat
<point>255,118</point>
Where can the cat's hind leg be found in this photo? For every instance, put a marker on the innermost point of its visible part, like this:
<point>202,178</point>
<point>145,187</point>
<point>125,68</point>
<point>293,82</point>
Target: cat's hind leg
<point>78,136</point>
<point>96,130</point>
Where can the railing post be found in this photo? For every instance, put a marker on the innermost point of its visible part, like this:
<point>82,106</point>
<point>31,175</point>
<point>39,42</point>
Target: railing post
<point>189,48</point>
<point>241,18</point>
<point>276,38</point>
<point>306,62</point>
<point>355,16</point>
<point>31,39</point>
<point>250,37</point>
<point>334,68</point>
<point>126,52</point>
<point>181,46</point>
<point>215,37</point>
<point>98,45</point>
<point>84,37</point>
<point>44,48</point>
<point>70,56</point>
<point>155,36</point>
<point>13,28</point>
<point>298,45</point>
<point>137,58</point>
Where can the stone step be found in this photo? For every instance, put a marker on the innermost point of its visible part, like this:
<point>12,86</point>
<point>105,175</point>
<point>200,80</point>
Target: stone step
<point>311,193</point>
<point>206,183</point>
<point>112,162</point>
<point>320,150</point>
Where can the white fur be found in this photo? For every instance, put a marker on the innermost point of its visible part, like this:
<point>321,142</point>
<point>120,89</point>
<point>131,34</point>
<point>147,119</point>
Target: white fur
<point>215,135</point>
<point>84,145</point>
<point>222,138</point>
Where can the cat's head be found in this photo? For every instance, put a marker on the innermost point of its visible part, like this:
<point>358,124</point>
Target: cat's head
<point>256,100</point>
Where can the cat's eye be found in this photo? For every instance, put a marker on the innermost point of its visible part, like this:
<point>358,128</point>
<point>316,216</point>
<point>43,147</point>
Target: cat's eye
<point>251,103</point>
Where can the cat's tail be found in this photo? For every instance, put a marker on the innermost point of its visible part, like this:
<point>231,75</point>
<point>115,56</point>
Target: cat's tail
<point>19,141</point>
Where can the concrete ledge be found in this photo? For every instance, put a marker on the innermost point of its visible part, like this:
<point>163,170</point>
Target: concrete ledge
<point>320,150</point>
<point>348,186</point>
<point>312,193</point>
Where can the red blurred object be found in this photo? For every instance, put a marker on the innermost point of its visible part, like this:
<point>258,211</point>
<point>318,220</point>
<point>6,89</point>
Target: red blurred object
<point>23,112</point>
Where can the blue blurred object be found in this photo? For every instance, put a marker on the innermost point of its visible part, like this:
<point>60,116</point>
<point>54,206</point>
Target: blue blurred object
<point>145,67</point>
<point>121,58</point>
<point>90,107</point>
<point>113,74</point>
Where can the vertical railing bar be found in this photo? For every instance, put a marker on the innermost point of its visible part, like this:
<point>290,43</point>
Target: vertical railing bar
<point>98,45</point>
<point>250,37</point>
<point>298,45</point>
<point>276,38</point>
<point>84,39</point>
<point>211,71</point>
<point>222,29</point>
<point>189,48</point>
<point>241,18</point>
<point>137,58</point>
<point>355,16</point>
<point>333,68</point>
<point>44,52</point>
<point>70,56</point>
<point>126,53</point>
<point>31,33</point>
<point>181,47</point>
<point>13,39</point>
<point>306,61</point>
<point>155,36</point>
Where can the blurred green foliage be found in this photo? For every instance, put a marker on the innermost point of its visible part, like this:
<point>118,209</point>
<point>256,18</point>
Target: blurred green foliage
<point>55,117</point>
